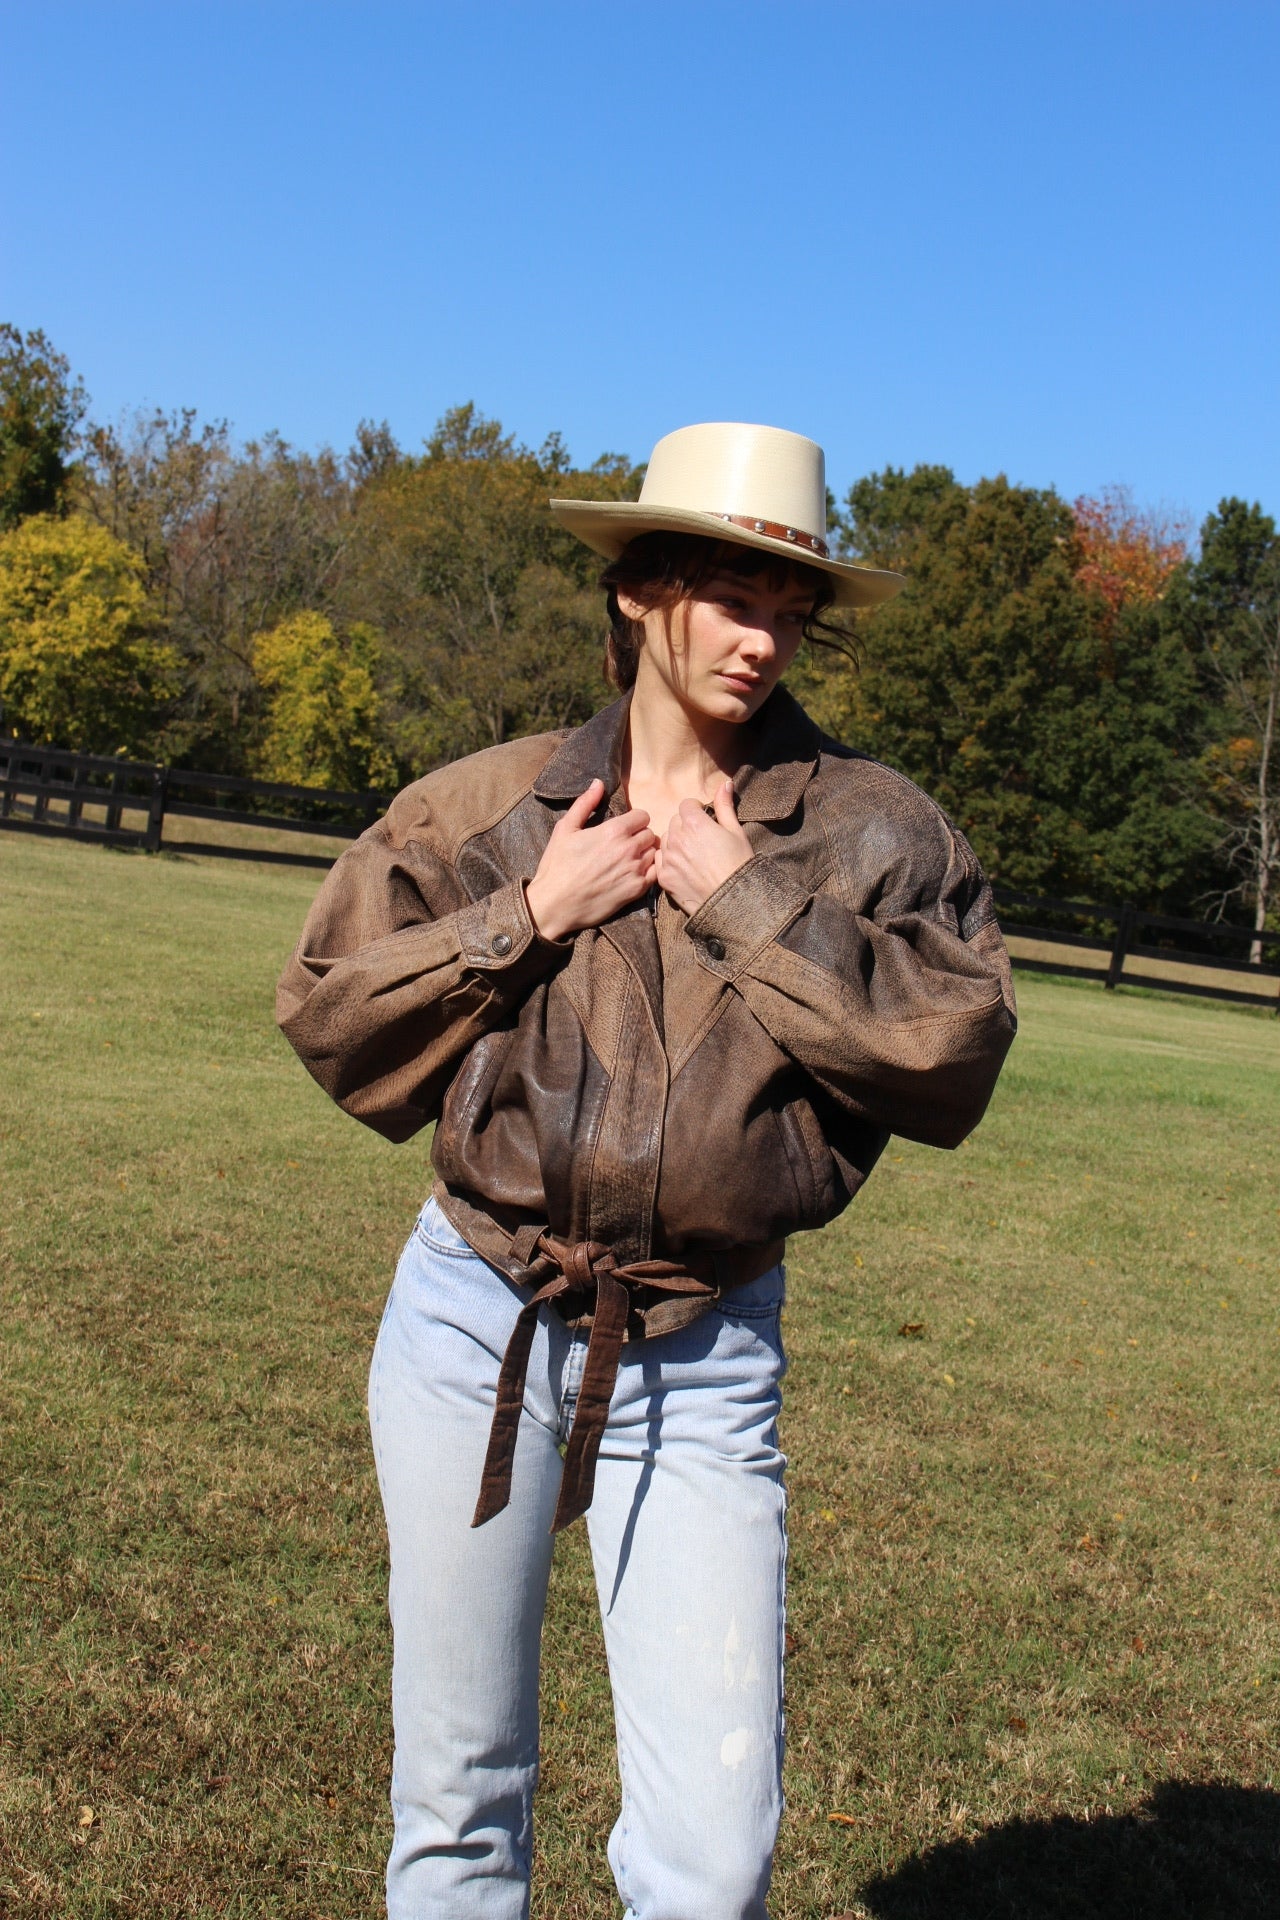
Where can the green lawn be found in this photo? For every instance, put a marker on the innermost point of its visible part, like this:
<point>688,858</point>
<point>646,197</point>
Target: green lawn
<point>1034,1548</point>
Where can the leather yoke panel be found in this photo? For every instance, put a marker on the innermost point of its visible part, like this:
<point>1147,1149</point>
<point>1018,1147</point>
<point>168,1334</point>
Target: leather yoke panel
<point>508,850</point>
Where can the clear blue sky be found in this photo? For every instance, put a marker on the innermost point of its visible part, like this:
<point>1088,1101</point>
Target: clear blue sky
<point>1037,238</point>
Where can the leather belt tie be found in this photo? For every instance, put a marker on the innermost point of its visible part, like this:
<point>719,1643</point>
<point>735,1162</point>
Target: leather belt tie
<point>591,1271</point>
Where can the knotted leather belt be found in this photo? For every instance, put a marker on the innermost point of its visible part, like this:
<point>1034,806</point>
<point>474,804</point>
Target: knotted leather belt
<point>590,1270</point>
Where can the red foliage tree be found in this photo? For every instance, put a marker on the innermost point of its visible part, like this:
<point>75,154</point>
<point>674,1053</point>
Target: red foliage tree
<point>1126,553</point>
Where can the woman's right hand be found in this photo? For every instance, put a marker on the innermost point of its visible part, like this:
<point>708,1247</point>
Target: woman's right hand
<point>587,873</point>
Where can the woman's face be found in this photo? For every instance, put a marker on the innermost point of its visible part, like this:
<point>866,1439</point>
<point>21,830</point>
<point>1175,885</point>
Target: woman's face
<point>721,652</point>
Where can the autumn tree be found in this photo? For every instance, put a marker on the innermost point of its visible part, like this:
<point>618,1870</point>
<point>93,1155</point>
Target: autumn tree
<point>1125,554</point>
<point>41,407</point>
<point>486,623</point>
<point>322,710</point>
<point>80,663</point>
<point>233,541</point>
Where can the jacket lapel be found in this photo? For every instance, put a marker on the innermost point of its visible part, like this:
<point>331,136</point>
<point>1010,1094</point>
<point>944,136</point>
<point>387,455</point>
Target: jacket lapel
<point>590,752</point>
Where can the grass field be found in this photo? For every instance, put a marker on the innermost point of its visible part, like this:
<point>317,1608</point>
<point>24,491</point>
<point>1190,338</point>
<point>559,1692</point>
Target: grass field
<point>1036,1660</point>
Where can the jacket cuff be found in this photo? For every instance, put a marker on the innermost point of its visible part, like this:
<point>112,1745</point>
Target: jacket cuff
<point>743,915</point>
<point>497,933</point>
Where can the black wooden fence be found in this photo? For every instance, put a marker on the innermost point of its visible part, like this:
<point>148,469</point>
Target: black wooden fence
<point>86,796</point>
<point>1122,937</point>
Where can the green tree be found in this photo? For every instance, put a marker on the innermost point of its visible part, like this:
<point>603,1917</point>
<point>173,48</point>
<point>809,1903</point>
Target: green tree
<point>41,408</point>
<point>1050,723</point>
<point>79,663</point>
<point>1227,608</point>
<point>323,713</point>
<point>492,625</point>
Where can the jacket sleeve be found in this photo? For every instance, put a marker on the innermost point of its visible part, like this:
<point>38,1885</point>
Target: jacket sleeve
<point>902,1012</point>
<point>398,972</point>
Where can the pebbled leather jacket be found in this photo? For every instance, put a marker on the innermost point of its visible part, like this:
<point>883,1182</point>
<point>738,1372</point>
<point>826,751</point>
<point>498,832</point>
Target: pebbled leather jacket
<point>668,1087</point>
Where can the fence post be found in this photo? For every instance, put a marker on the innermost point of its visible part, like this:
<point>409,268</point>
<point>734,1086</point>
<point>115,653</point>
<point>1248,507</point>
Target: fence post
<point>75,805</point>
<point>113,803</point>
<point>1124,934</point>
<point>370,807</point>
<point>155,812</point>
<point>40,803</point>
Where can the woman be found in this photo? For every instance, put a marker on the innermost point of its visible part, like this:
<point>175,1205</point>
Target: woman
<point>666,984</point>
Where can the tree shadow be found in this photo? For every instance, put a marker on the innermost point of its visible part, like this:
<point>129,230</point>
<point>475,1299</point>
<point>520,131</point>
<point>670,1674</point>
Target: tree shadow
<point>1190,1852</point>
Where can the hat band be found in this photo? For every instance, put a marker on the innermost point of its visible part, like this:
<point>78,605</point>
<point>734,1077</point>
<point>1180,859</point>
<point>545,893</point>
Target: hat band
<point>776,531</point>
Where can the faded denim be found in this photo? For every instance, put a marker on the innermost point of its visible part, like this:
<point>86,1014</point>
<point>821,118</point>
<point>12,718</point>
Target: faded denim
<point>687,1532</point>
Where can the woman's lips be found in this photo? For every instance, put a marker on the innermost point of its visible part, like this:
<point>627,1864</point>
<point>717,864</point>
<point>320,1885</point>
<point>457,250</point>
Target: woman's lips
<point>742,682</point>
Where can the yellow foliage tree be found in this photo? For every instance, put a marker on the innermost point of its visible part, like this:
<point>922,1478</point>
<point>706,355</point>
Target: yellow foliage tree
<point>323,711</point>
<point>79,666</point>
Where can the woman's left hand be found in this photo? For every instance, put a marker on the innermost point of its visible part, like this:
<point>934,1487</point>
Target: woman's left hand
<point>698,853</point>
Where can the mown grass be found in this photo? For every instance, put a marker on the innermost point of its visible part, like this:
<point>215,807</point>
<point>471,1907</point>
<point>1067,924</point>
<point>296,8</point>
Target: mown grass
<point>1036,1660</point>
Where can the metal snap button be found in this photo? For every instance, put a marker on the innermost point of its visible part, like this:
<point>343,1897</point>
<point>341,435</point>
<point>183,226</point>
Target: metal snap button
<point>501,944</point>
<point>715,948</point>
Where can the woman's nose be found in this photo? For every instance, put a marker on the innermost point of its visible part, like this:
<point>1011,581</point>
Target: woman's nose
<point>760,643</point>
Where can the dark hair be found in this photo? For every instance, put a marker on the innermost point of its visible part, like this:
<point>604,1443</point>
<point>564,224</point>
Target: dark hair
<point>663,569</point>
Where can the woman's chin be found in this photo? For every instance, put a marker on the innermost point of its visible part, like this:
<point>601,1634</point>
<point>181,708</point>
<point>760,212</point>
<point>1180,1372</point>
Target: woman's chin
<point>725,702</point>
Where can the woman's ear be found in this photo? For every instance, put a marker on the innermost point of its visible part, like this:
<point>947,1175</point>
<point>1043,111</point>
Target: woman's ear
<point>628,606</point>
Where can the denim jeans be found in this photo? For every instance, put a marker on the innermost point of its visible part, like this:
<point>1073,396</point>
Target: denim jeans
<point>688,1542</point>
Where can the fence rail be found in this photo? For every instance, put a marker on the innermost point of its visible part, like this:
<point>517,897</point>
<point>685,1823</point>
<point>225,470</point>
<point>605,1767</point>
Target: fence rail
<point>47,789</point>
<point>1120,951</point>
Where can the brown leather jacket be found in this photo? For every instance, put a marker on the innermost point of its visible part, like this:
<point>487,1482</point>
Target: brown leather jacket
<point>660,1084</point>
<point>674,1094</point>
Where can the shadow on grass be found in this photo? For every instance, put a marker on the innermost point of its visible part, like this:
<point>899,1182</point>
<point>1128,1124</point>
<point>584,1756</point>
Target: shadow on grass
<point>1190,1852</point>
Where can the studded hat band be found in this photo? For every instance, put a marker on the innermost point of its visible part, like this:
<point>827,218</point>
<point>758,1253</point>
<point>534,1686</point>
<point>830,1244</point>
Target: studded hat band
<point>776,531</point>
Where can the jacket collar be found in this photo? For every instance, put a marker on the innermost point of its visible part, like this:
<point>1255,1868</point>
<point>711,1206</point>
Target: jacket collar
<point>590,752</point>
<point>782,759</point>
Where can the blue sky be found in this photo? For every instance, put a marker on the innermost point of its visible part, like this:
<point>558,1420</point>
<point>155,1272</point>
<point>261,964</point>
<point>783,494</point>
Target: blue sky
<point>1035,238</point>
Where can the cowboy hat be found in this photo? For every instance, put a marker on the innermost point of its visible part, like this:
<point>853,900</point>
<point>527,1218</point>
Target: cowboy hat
<point>757,486</point>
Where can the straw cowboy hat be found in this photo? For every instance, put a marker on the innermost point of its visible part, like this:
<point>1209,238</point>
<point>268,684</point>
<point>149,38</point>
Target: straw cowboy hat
<point>757,486</point>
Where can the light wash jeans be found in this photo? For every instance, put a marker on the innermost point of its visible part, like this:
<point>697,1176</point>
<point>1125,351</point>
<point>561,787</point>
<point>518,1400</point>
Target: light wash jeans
<point>688,1541</point>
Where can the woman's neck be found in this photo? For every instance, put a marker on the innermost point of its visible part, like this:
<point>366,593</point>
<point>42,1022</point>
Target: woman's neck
<point>671,750</point>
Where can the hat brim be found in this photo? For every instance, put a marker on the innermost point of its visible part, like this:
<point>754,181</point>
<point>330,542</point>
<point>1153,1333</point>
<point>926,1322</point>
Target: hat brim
<point>607,526</point>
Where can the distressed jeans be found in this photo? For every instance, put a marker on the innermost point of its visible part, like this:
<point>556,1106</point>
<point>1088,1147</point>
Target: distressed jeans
<point>687,1532</point>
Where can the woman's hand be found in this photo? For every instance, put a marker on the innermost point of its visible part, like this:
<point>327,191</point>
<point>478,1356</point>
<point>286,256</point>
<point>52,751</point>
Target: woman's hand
<point>700,853</point>
<point>587,873</point>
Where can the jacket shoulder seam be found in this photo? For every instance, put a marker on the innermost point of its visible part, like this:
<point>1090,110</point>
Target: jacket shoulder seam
<point>508,804</point>
<point>932,807</point>
<point>437,828</point>
<point>895,774</point>
<point>835,864</point>
<point>474,829</point>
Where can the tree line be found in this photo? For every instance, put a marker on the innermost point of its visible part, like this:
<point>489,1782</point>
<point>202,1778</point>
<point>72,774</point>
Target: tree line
<point>1092,694</point>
